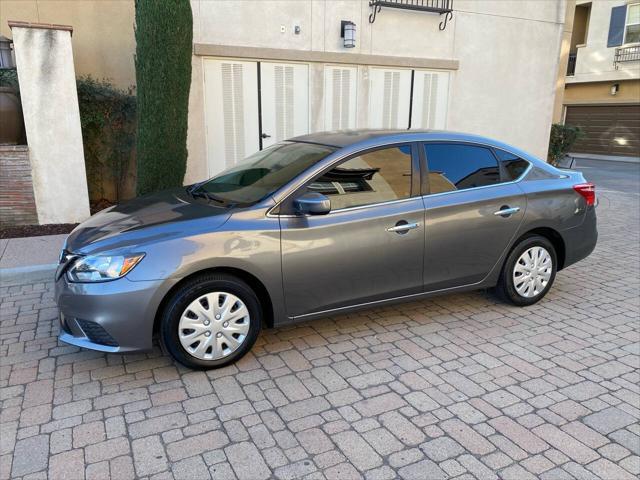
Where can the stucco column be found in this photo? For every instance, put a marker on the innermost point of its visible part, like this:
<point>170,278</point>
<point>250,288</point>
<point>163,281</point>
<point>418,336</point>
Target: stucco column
<point>565,46</point>
<point>44,60</point>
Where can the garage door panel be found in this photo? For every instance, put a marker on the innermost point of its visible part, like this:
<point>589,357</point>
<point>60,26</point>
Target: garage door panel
<point>609,129</point>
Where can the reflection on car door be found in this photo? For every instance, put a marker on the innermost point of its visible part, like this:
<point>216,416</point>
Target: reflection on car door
<point>369,247</point>
<point>465,233</point>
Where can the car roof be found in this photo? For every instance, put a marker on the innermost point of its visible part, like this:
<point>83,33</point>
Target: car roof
<point>372,137</point>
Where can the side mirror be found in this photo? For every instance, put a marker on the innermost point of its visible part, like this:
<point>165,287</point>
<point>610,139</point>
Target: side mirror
<point>312,203</point>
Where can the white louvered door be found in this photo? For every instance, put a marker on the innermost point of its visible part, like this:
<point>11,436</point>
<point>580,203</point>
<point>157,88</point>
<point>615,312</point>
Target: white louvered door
<point>389,98</point>
<point>340,97</point>
<point>231,112</point>
<point>430,96</point>
<point>285,101</point>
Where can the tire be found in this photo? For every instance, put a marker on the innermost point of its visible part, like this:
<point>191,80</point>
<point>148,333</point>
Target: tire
<point>193,305</point>
<point>524,290</point>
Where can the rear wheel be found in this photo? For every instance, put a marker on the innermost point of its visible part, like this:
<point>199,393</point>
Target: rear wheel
<point>529,271</point>
<point>212,321</point>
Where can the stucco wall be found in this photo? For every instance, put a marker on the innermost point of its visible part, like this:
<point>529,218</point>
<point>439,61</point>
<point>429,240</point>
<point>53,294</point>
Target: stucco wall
<point>507,51</point>
<point>600,93</point>
<point>103,36</point>
<point>44,60</point>
<point>594,61</point>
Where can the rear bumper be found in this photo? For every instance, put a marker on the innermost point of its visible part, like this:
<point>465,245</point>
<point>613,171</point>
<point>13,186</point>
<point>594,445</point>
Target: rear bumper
<point>115,316</point>
<point>580,241</point>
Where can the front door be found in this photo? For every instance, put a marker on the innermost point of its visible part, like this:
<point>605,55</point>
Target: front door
<point>369,247</point>
<point>465,233</point>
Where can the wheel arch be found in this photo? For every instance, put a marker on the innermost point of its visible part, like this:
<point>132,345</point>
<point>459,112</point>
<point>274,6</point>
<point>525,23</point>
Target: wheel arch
<point>553,236</point>
<point>250,279</point>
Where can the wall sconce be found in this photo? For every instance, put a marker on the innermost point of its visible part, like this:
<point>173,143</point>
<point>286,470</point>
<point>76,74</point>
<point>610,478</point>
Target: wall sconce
<point>348,33</point>
<point>614,88</point>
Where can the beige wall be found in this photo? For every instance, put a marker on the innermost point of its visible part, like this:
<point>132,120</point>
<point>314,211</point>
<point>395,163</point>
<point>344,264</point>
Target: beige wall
<point>594,61</point>
<point>103,35</point>
<point>507,52</point>
<point>600,93</point>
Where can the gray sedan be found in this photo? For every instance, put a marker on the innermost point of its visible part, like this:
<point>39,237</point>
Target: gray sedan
<point>320,225</point>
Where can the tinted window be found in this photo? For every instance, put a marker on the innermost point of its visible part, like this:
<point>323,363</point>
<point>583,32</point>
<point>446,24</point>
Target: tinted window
<point>374,177</point>
<point>513,166</point>
<point>264,172</point>
<point>457,167</point>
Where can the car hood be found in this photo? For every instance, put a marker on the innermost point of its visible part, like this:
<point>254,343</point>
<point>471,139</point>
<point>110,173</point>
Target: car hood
<point>149,218</point>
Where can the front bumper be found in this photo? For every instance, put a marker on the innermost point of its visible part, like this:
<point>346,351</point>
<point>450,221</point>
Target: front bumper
<point>116,316</point>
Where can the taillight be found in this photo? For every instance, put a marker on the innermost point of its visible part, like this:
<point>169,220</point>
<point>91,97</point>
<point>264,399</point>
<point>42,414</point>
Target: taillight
<point>587,191</point>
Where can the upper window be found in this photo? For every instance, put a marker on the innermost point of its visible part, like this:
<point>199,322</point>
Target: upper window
<point>512,166</point>
<point>632,24</point>
<point>374,177</point>
<point>459,166</point>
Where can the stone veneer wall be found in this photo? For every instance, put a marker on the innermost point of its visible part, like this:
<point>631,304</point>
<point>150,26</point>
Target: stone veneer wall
<point>17,202</point>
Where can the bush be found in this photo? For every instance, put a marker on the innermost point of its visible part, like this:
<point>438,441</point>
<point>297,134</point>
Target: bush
<point>108,120</point>
<point>164,35</point>
<point>561,140</point>
<point>9,78</point>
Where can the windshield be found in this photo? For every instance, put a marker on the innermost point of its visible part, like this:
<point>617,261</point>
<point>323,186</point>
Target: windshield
<point>264,172</point>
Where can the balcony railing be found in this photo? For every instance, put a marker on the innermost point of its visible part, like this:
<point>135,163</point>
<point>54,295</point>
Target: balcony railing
<point>571,66</point>
<point>626,54</point>
<point>443,7</point>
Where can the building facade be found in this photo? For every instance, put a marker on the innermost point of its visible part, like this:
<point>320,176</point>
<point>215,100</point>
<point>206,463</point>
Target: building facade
<point>602,87</point>
<point>267,70</point>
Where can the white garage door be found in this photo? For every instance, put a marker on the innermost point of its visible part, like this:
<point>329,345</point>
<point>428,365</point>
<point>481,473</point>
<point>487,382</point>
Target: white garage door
<point>340,97</point>
<point>389,98</point>
<point>430,95</point>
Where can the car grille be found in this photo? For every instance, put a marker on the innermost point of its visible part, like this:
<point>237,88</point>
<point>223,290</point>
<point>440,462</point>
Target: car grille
<point>96,334</point>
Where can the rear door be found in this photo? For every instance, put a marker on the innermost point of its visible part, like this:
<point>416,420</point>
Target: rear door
<point>465,232</point>
<point>369,247</point>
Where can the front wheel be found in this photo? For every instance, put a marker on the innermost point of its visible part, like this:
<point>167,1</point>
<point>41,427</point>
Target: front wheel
<point>528,272</point>
<point>211,321</point>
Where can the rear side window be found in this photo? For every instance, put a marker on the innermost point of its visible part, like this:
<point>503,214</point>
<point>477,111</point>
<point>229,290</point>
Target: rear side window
<point>512,166</point>
<point>459,166</point>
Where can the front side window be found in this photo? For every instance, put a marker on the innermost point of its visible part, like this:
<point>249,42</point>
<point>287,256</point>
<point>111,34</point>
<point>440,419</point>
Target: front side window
<point>512,166</point>
<point>458,167</point>
<point>632,24</point>
<point>264,172</point>
<point>373,177</point>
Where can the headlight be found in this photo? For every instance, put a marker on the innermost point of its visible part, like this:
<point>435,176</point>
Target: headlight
<point>95,268</point>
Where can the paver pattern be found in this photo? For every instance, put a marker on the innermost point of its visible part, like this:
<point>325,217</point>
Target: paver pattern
<point>457,387</point>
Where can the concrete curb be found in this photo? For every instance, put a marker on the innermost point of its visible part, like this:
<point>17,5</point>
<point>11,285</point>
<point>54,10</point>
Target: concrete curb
<point>30,274</point>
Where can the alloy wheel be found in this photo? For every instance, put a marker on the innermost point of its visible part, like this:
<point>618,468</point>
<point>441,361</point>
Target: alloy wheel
<point>214,325</point>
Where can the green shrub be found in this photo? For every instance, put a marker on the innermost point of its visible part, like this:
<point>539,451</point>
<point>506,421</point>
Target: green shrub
<point>164,35</point>
<point>9,78</point>
<point>108,120</point>
<point>561,140</point>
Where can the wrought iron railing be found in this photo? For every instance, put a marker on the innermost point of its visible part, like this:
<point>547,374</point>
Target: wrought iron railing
<point>626,54</point>
<point>571,66</point>
<point>443,7</point>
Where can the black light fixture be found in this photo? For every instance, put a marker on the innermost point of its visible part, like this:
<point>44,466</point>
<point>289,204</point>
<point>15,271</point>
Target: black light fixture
<point>614,88</point>
<point>348,33</point>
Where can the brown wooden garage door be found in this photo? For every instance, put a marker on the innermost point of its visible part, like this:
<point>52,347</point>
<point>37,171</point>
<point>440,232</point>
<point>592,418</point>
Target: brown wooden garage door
<point>610,129</point>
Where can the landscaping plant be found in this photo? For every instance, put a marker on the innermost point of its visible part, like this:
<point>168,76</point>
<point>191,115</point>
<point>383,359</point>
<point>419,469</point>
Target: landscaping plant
<point>164,35</point>
<point>562,138</point>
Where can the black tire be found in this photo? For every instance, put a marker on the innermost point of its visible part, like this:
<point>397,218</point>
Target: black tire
<point>506,289</point>
<point>189,292</point>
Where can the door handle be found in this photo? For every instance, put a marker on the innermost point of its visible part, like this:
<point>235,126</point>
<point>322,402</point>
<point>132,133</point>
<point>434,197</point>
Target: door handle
<point>403,227</point>
<point>265,135</point>
<point>506,211</point>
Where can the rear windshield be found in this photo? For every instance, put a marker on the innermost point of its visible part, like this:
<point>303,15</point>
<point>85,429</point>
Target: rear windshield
<point>264,172</point>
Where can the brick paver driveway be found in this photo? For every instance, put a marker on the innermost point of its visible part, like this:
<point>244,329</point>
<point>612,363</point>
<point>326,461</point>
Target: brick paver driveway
<point>460,386</point>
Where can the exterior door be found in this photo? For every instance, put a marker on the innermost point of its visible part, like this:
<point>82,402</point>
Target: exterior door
<point>231,112</point>
<point>389,98</point>
<point>369,247</point>
<point>284,101</point>
<point>340,97</point>
<point>429,103</point>
<point>464,236</point>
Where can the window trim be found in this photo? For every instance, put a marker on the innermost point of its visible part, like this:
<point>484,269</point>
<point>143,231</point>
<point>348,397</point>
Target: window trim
<point>627,24</point>
<point>491,148</point>
<point>416,180</point>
